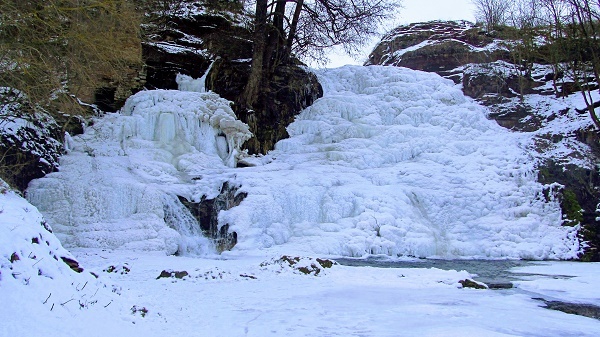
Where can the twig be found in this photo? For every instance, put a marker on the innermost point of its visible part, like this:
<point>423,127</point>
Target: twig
<point>38,261</point>
<point>108,304</point>
<point>67,301</point>
<point>85,284</point>
<point>47,298</point>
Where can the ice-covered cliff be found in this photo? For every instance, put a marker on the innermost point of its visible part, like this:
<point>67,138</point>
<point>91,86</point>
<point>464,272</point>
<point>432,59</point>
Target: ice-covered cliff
<point>120,177</point>
<point>390,161</point>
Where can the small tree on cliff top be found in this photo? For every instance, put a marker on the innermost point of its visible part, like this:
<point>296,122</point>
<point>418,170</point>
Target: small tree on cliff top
<point>307,27</point>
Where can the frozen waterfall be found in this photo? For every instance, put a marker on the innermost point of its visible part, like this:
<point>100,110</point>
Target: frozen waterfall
<point>390,161</point>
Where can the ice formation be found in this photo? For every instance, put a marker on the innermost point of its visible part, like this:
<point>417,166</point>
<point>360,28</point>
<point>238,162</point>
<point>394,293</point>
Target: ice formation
<point>390,161</point>
<point>116,184</point>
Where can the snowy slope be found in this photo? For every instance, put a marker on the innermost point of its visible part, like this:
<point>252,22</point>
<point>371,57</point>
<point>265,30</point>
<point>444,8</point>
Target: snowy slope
<point>40,294</point>
<point>389,161</point>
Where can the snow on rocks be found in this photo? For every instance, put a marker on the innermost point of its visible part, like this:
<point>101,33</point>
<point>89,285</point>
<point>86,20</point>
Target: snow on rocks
<point>41,283</point>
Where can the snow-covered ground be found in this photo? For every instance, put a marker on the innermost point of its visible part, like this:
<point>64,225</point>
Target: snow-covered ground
<point>119,293</point>
<point>237,294</point>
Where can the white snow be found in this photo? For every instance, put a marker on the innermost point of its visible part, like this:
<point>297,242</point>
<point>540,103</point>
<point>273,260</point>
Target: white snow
<point>243,294</point>
<point>40,294</point>
<point>252,296</point>
<point>391,161</point>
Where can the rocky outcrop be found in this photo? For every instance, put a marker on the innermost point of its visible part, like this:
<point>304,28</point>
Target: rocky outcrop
<point>188,40</point>
<point>30,140</point>
<point>437,46</point>
<point>292,89</point>
<point>534,99</point>
<point>207,211</point>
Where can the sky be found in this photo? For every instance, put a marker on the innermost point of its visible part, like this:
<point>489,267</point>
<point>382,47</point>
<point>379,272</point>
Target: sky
<point>413,11</point>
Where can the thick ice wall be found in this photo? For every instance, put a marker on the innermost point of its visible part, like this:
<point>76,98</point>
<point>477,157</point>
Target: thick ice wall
<point>393,161</point>
<point>389,161</point>
<point>202,120</point>
<point>117,185</point>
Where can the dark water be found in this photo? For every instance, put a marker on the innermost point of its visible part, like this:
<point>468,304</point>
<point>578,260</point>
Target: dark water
<point>495,273</point>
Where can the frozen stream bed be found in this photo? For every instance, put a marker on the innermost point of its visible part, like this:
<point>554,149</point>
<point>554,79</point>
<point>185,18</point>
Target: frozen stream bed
<point>254,295</point>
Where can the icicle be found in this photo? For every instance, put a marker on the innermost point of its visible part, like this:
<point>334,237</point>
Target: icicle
<point>188,83</point>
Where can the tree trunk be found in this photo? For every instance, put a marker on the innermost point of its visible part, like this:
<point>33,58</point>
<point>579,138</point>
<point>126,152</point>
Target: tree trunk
<point>293,26</point>
<point>255,81</point>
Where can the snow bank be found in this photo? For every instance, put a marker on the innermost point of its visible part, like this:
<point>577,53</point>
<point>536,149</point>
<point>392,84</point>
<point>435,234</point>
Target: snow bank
<point>38,289</point>
<point>391,161</point>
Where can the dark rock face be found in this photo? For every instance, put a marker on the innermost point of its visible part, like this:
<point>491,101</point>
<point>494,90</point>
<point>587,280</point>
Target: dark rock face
<point>189,44</point>
<point>437,46</point>
<point>207,214</point>
<point>483,66</point>
<point>578,199</point>
<point>29,145</point>
<point>291,90</point>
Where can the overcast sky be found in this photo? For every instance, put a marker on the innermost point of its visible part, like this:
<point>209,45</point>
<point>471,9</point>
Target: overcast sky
<point>416,11</point>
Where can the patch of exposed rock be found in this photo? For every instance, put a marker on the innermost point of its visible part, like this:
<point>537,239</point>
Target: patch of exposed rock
<point>207,211</point>
<point>290,91</point>
<point>437,46</point>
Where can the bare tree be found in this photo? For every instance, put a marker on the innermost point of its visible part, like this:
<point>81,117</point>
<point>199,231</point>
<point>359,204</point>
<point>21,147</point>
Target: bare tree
<point>493,13</point>
<point>582,36</point>
<point>284,28</point>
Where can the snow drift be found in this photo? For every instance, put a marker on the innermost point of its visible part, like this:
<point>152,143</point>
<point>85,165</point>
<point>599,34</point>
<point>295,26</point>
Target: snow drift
<point>35,280</point>
<point>390,161</point>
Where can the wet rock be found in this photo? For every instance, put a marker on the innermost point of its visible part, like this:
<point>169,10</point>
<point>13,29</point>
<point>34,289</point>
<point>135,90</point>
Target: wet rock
<point>172,274</point>
<point>581,309</point>
<point>500,285</point>
<point>72,264</point>
<point>207,213</point>
<point>467,283</point>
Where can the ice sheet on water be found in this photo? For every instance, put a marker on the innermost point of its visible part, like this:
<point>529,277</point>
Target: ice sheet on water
<point>390,161</point>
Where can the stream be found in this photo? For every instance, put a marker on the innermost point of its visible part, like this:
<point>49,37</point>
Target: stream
<point>496,274</point>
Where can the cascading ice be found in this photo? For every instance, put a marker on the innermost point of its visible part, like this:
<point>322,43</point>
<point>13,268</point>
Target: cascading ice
<point>114,186</point>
